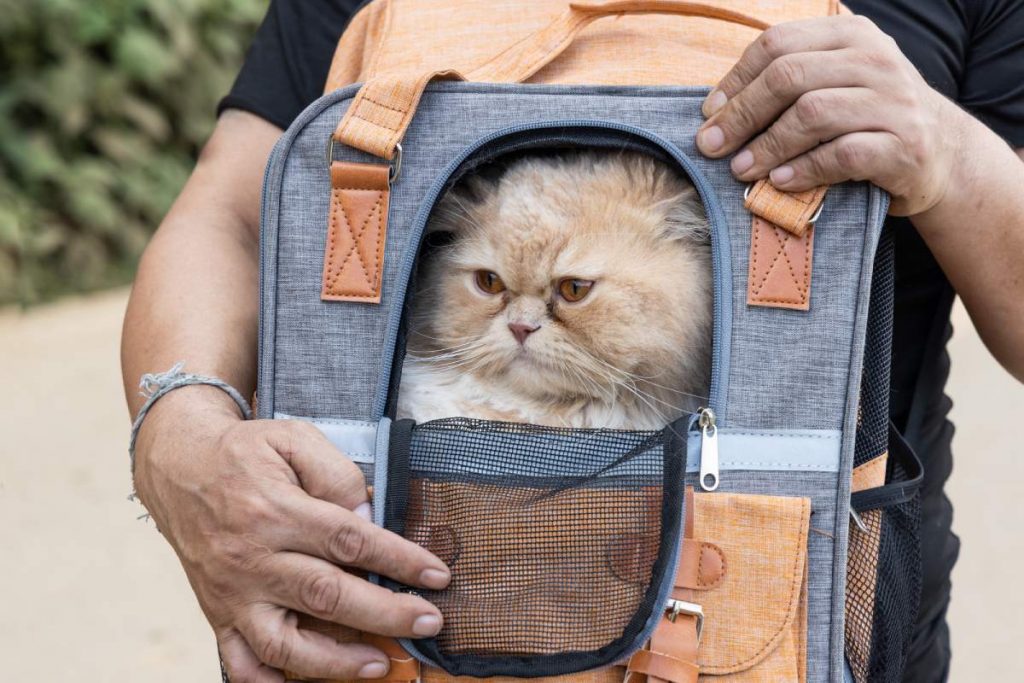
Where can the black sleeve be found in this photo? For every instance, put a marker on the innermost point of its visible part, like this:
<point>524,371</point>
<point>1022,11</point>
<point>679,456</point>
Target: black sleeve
<point>993,79</point>
<point>286,66</point>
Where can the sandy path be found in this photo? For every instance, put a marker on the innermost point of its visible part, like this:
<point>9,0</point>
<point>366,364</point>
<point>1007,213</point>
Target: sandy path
<point>87,593</point>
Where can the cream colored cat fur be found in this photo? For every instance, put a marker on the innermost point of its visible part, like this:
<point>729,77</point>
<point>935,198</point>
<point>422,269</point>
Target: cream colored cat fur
<point>633,353</point>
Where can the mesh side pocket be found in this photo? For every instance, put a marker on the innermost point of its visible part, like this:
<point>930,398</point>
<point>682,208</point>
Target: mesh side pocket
<point>559,540</point>
<point>883,582</point>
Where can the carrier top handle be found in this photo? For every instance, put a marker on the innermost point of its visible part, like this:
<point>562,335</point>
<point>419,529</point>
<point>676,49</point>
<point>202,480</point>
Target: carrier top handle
<point>385,105</point>
<point>383,108</point>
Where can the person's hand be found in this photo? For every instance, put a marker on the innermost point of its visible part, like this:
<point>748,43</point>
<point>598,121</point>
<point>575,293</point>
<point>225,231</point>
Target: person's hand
<point>822,101</point>
<point>261,516</point>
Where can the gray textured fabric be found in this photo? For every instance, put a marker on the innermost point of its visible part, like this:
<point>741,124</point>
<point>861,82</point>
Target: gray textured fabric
<point>783,370</point>
<point>804,357</point>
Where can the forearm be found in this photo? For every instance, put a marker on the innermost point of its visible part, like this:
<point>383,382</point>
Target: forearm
<point>976,233</point>
<point>195,298</point>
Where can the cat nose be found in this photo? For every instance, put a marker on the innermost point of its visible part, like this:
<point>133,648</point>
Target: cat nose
<point>522,330</point>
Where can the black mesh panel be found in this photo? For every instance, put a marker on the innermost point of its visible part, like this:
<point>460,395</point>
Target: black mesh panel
<point>558,540</point>
<point>883,581</point>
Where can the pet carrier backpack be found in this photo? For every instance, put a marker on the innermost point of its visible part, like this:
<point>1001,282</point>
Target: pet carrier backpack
<point>773,537</point>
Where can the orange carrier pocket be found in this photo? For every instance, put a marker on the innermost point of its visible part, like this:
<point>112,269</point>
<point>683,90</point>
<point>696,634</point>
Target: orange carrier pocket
<point>755,613</point>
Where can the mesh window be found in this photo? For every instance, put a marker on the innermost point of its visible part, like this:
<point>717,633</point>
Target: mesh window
<point>559,540</point>
<point>883,581</point>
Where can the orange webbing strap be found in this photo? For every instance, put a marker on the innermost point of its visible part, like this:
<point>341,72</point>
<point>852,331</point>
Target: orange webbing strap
<point>384,106</point>
<point>794,212</point>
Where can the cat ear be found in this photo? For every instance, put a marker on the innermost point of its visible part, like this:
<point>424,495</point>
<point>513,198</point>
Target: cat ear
<point>685,218</point>
<point>454,212</point>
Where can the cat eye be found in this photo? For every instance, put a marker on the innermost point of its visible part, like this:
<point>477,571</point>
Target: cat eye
<point>489,282</point>
<point>573,289</point>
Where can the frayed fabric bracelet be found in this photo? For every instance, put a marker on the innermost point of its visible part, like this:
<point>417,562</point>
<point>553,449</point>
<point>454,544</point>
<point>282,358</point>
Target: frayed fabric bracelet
<point>155,386</point>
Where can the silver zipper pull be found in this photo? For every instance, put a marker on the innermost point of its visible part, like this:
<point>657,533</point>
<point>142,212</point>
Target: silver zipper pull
<point>708,449</point>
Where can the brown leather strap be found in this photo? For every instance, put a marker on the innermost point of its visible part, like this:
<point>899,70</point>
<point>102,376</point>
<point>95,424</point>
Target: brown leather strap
<point>671,656</point>
<point>701,565</point>
<point>779,274</point>
<point>659,666</point>
<point>354,251</point>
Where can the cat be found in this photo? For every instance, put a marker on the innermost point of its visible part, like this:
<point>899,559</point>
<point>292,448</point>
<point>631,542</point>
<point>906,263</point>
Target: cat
<point>575,291</point>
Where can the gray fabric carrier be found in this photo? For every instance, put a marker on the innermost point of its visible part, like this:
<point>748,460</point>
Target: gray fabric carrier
<point>786,384</point>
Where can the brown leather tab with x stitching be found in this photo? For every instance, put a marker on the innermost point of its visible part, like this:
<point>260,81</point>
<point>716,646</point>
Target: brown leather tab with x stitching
<point>357,228</point>
<point>780,266</point>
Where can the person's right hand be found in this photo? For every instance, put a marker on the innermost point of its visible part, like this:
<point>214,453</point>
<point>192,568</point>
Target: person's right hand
<point>263,515</point>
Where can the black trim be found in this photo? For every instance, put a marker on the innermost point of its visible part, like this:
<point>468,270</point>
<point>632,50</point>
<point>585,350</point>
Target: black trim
<point>897,492</point>
<point>674,454</point>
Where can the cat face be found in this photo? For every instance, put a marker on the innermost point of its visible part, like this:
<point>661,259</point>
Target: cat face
<point>586,276</point>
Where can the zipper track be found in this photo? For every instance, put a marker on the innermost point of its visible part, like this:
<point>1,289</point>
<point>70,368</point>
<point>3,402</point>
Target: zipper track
<point>721,266</point>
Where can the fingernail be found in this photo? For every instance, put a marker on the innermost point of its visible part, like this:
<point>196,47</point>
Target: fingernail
<point>373,670</point>
<point>435,578</point>
<point>742,161</point>
<point>782,174</point>
<point>364,510</point>
<point>713,102</point>
<point>711,139</point>
<point>427,625</point>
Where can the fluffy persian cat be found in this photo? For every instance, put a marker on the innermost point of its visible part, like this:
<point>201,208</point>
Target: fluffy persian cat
<point>575,291</point>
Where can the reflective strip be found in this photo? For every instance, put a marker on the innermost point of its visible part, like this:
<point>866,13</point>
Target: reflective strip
<point>803,450</point>
<point>355,438</point>
<point>800,450</point>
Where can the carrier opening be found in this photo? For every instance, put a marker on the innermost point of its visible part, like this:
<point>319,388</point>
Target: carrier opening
<point>665,307</point>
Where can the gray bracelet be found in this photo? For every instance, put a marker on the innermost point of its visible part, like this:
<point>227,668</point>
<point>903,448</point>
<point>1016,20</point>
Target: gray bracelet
<point>155,386</point>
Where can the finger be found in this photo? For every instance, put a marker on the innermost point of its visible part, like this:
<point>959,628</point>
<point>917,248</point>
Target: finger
<point>816,117</point>
<point>855,156</point>
<point>318,588</point>
<point>782,83</point>
<point>242,664</point>
<point>340,536</point>
<point>808,35</point>
<point>273,635</point>
<point>324,472</point>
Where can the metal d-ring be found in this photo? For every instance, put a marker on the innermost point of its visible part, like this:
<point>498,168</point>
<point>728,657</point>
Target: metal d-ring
<point>395,165</point>
<point>812,220</point>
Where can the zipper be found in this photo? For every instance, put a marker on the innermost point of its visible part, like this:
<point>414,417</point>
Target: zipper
<point>707,422</point>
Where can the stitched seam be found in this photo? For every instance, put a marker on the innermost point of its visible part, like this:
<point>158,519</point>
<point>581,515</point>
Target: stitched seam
<point>792,273</point>
<point>331,236</point>
<point>340,206</point>
<point>355,238</point>
<point>379,253</point>
<point>771,266</point>
<point>728,432</point>
<point>369,99</point>
<point>700,564</point>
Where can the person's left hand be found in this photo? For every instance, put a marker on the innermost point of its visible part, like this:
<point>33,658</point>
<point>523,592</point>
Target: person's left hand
<point>822,101</point>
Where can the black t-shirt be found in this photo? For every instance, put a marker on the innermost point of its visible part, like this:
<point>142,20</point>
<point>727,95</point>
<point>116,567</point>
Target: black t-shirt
<point>972,51</point>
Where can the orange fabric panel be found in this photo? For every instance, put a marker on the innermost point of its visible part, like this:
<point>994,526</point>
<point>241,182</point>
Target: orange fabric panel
<point>404,36</point>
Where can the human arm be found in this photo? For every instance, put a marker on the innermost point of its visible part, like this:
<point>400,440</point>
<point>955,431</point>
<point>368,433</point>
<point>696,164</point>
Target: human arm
<point>260,513</point>
<point>827,100</point>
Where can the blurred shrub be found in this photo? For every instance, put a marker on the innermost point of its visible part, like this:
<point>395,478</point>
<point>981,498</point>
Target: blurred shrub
<point>103,107</point>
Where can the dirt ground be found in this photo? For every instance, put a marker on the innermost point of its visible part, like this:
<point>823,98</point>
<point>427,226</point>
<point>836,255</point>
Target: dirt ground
<point>89,593</point>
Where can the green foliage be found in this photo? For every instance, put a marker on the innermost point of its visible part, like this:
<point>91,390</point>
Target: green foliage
<point>103,107</point>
